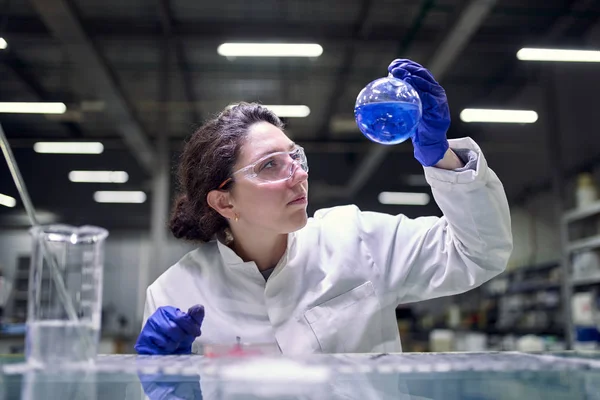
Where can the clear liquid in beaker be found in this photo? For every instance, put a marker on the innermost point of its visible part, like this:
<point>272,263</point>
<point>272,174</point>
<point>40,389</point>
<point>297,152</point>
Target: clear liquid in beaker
<point>59,341</point>
<point>65,294</point>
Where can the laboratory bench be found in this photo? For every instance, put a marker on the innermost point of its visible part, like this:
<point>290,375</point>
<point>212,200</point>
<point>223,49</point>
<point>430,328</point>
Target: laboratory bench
<point>415,376</point>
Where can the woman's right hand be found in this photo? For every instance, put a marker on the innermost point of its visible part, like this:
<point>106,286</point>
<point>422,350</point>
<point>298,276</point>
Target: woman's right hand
<point>170,331</point>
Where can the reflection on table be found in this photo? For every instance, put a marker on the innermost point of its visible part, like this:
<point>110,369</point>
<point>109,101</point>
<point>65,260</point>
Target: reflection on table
<point>412,376</point>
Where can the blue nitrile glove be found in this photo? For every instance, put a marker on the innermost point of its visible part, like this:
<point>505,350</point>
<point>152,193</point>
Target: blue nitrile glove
<point>170,331</point>
<point>430,140</point>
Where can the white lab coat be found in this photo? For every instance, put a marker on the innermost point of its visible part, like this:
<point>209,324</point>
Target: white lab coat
<point>338,285</point>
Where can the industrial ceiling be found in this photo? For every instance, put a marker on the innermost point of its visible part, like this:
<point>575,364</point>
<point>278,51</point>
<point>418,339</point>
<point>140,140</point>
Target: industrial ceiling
<point>130,71</point>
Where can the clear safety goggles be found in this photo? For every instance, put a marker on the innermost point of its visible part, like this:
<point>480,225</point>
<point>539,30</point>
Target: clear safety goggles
<point>274,167</point>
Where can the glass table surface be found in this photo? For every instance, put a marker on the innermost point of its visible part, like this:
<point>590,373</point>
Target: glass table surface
<point>415,376</point>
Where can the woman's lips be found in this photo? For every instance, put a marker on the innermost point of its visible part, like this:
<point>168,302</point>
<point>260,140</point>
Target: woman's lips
<point>298,200</point>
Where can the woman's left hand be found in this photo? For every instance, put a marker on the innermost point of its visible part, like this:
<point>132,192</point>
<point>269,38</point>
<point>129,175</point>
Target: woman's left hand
<point>430,142</point>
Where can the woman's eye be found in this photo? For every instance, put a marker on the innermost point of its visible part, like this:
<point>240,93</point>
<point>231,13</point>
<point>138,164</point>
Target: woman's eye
<point>267,164</point>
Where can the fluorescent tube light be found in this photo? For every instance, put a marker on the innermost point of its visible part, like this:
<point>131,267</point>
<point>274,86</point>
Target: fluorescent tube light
<point>7,201</point>
<point>560,55</point>
<point>404,198</point>
<point>290,111</point>
<point>119,197</point>
<point>286,111</point>
<point>69,147</point>
<point>32,108</point>
<point>500,116</point>
<point>99,176</point>
<point>270,50</point>
<point>3,44</point>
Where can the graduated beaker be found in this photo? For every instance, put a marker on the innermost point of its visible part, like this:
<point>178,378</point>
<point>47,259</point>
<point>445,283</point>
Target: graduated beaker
<point>65,294</point>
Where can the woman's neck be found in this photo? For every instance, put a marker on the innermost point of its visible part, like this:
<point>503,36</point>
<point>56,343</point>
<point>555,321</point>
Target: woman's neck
<point>264,250</point>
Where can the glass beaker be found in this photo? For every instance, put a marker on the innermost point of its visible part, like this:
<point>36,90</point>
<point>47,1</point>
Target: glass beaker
<point>65,294</point>
<point>388,110</point>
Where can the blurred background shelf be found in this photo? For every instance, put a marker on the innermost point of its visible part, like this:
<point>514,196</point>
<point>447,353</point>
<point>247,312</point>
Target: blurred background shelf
<point>581,213</point>
<point>584,281</point>
<point>584,244</point>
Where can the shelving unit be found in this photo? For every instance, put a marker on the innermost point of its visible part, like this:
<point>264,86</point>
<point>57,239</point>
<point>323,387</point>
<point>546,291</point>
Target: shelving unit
<point>584,224</point>
<point>528,302</point>
<point>17,301</point>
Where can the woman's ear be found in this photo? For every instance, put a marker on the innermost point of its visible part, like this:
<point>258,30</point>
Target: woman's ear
<point>219,200</point>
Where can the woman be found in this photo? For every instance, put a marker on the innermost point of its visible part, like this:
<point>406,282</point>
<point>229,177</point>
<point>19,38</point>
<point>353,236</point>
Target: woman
<point>265,272</point>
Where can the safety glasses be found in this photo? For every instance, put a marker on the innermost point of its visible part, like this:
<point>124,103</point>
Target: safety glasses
<point>274,167</point>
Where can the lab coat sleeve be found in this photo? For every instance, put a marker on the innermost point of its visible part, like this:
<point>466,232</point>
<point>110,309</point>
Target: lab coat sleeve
<point>429,257</point>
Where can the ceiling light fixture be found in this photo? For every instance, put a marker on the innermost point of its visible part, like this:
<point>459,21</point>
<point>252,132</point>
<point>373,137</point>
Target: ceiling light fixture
<point>286,111</point>
<point>99,176</point>
<point>404,198</point>
<point>120,197</point>
<point>559,55</point>
<point>498,116</point>
<point>282,111</point>
<point>69,147</point>
<point>3,44</point>
<point>32,108</point>
<point>270,50</point>
<point>7,201</point>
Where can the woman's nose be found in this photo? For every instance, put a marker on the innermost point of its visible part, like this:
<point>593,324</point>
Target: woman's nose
<point>298,174</point>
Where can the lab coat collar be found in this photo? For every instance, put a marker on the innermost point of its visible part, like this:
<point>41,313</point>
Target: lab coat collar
<point>230,258</point>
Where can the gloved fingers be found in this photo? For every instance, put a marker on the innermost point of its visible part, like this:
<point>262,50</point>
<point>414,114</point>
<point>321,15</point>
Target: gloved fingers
<point>399,73</point>
<point>191,323</point>
<point>419,71</point>
<point>162,344</point>
<point>170,330</point>
<point>402,61</point>
<point>197,313</point>
<point>419,83</point>
<point>170,323</point>
<point>423,84</point>
<point>165,334</point>
<point>189,327</point>
<point>185,347</point>
<point>404,67</point>
<point>430,103</point>
<point>155,343</point>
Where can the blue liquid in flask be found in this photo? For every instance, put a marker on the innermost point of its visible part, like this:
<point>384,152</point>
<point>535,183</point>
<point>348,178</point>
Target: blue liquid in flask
<point>388,122</point>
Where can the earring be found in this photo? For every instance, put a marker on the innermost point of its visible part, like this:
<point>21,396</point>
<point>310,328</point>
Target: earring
<point>237,218</point>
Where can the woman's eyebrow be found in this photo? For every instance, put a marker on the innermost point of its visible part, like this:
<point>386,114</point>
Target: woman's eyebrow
<point>271,151</point>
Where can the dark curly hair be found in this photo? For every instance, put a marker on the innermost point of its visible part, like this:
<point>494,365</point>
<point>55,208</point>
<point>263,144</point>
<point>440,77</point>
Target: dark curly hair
<point>207,160</point>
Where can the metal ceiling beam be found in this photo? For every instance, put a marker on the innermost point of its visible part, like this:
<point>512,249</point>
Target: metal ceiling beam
<point>559,28</point>
<point>499,90</point>
<point>295,71</point>
<point>216,30</point>
<point>166,18</point>
<point>362,27</point>
<point>470,19</point>
<point>23,72</point>
<point>62,20</point>
<point>112,143</point>
<point>123,27</point>
<point>564,23</point>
